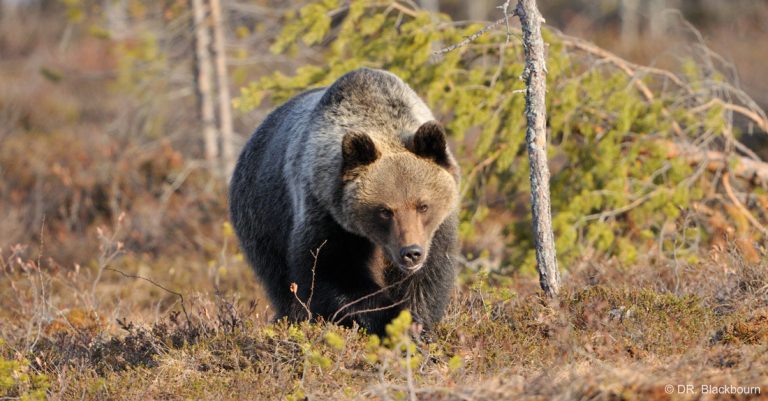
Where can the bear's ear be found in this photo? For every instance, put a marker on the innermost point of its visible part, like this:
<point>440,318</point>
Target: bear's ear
<point>357,150</point>
<point>429,142</point>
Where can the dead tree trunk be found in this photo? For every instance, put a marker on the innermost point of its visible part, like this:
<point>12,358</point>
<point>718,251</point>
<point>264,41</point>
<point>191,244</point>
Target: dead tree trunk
<point>630,22</point>
<point>204,81</point>
<point>225,110</point>
<point>117,18</point>
<point>658,21</point>
<point>535,75</point>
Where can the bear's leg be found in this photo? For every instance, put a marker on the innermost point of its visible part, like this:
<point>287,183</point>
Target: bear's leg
<point>272,270</point>
<point>343,291</point>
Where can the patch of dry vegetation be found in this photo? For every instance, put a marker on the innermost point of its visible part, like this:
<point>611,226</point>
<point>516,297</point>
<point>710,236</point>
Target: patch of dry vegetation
<point>617,332</point>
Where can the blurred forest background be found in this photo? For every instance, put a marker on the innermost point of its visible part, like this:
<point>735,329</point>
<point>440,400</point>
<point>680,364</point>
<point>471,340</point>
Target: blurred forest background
<point>120,121</point>
<point>124,113</point>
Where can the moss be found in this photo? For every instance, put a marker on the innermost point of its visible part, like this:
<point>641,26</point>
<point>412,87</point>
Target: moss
<point>19,380</point>
<point>661,323</point>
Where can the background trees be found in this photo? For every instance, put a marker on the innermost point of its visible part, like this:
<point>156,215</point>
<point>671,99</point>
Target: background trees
<point>638,154</point>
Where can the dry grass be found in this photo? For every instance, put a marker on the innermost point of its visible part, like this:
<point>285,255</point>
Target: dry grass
<point>617,332</point>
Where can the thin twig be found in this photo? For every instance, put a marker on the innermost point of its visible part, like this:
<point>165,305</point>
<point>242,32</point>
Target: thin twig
<point>315,255</point>
<point>158,285</point>
<point>630,70</point>
<point>369,310</point>
<point>39,256</point>
<point>615,212</point>
<point>363,298</point>
<point>42,241</point>
<point>110,248</point>
<point>43,296</point>
<point>746,112</point>
<point>399,7</point>
<point>505,8</point>
<point>294,288</point>
<point>483,164</point>
<point>743,209</point>
<point>471,38</point>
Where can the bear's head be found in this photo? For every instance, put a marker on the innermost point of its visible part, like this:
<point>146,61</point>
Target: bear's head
<point>398,197</point>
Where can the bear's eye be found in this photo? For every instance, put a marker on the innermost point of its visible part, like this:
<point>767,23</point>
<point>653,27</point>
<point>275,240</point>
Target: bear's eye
<point>385,213</point>
<point>422,208</point>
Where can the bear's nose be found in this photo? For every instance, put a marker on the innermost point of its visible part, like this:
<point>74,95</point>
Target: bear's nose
<point>411,254</point>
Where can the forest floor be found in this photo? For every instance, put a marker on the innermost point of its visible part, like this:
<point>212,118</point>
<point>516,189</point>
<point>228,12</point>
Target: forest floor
<point>647,332</point>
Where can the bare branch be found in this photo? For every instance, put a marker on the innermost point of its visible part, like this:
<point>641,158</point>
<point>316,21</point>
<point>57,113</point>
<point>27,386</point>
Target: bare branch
<point>377,309</point>
<point>315,255</point>
<point>158,285</point>
<point>743,209</point>
<point>363,298</point>
<point>471,38</point>
<point>746,112</point>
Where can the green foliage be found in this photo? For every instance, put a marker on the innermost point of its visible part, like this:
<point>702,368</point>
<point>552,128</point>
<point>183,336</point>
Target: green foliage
<point>19,381</point>
<point>397,346</point>
<point>612,182</point>
<point>334,341</point>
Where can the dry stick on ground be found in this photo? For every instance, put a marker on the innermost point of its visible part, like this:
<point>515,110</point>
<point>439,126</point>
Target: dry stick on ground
<point>746,112</point>
<point>536,138</point>
<point>748,169</point>
<point>369,310</point>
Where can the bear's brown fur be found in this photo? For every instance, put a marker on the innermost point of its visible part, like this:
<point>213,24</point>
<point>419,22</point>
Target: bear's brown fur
<point>362,169</point>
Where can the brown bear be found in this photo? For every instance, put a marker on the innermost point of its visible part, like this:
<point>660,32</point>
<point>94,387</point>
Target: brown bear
<point>351,193</point>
